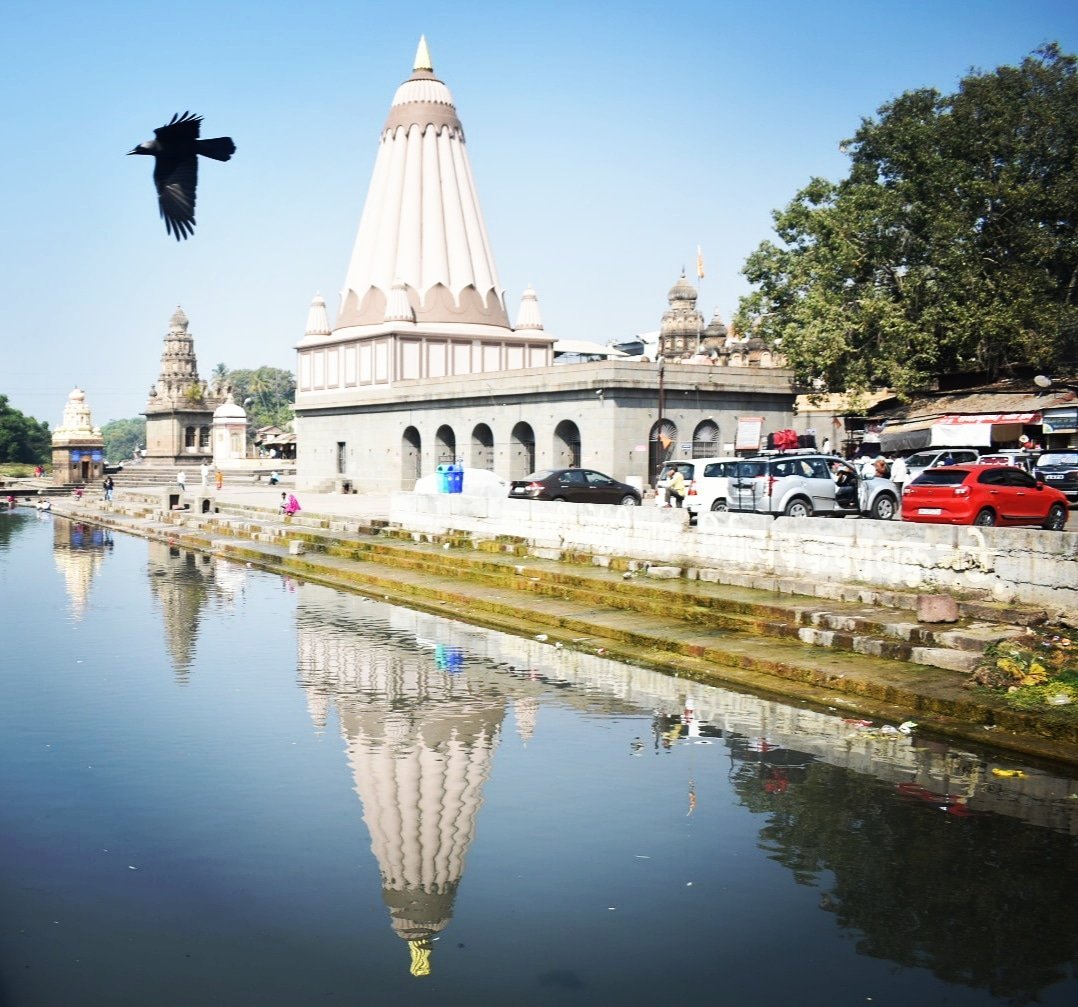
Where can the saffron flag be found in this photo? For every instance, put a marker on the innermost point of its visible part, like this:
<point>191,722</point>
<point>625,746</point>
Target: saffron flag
<point>699,263</point>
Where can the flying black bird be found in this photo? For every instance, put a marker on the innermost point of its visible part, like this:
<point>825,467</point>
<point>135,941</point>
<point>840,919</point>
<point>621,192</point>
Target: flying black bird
<point>175,149</point>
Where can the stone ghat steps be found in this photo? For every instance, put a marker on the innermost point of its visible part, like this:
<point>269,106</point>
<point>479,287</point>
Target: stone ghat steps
<point>885,688</point>
<point>855,628</point>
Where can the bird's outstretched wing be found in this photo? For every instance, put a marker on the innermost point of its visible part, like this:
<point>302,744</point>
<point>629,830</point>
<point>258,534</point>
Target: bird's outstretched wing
<point>179,129</point>
<point>176,179</point>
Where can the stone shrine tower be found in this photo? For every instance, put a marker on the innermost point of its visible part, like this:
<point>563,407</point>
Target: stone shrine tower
<point>682,327</point>
<point>78,449</point>
<point>179,413</point>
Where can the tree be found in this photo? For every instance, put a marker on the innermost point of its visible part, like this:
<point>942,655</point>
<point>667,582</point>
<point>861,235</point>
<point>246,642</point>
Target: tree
<point>123,437</point>
<point>267,393</point>
<point>22,438</point>
<point>951,247</point>
<point>219,378</point>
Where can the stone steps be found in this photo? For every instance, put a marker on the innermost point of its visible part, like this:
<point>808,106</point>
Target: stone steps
<point>854,628</point>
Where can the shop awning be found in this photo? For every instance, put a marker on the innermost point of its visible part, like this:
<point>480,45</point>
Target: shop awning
<point>911,436</point>
<point>974,430</point>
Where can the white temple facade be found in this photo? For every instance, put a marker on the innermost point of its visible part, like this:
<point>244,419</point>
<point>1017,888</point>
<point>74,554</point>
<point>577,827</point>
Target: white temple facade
<point>422,367</point>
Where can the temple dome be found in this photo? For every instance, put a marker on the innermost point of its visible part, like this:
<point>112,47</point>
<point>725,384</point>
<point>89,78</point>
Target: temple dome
<point>229,410</point>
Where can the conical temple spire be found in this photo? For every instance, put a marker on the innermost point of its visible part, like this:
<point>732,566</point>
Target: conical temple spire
<point>317,319</point>
<point>528,316</point>
<point>422,56</point>
<point>421,223</point>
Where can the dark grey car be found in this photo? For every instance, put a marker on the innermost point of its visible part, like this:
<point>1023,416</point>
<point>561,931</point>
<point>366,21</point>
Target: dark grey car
<point>1059,469</point>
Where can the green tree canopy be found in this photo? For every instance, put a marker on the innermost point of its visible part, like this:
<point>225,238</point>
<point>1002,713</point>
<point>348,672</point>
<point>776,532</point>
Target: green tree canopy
<point>122,437</point>
<point>22,438</point>
<point>267,393</point>
<point>950,248</point>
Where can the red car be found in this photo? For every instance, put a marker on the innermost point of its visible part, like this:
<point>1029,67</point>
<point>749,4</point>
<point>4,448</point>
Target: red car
<point>983,495</point>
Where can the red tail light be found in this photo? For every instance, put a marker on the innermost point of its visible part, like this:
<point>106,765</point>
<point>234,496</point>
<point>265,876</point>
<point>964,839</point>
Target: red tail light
<point>770,487</point>
<point>691,491</point>
<point>534,487</point>
<point>961,491</point>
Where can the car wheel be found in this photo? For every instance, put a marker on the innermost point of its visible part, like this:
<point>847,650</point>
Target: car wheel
<point>628,500</point>
<point>719,505</point>
<point>560,500</point>
<point>884,507</point>
<point>798,508</point>
<point>1057,518</point>
<point>985,518</point>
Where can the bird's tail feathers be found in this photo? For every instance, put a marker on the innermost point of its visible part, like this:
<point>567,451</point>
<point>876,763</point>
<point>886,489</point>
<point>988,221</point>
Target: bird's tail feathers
<point>220,148</point>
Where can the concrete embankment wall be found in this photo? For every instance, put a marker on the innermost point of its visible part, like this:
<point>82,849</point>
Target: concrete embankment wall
<point>1026,566</point>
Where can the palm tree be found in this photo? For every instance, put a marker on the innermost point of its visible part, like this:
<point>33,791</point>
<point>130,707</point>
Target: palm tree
<point>219,378</point>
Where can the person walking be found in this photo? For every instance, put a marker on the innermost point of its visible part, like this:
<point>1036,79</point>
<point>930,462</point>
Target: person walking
<point>109,485</point>
<point>181,480</point>
<point>204,475</point>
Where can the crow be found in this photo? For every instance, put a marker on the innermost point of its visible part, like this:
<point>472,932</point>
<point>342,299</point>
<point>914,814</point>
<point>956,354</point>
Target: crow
<point>175,149</point>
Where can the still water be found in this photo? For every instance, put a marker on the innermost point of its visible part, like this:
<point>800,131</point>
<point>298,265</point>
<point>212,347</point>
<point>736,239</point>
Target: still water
<point>219,786</point>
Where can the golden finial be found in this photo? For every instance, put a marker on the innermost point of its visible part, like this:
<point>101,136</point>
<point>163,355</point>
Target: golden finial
<point>422,56</point>
<point>420,957</point>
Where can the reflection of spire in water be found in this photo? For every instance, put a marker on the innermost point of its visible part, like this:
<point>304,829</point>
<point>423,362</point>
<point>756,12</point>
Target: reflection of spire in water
<point>420,742</point>
<point>78,551</point>
<point>526,709</point>
<point>178,582</point>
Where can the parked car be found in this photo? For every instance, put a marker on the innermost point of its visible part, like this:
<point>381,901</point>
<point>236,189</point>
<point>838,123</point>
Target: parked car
<point>574,486</point>
<point>1059,469</point>
<point>803,485</point>
<point>706,482</point>
<point>932,457</point>
<point>983,495</point>
<point>710,486</point>
<point>1023,459</point>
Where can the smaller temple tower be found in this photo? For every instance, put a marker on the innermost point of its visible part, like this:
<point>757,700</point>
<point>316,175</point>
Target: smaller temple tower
<point>78,449</point>
<point>179,413</point>
<point>682,327</point>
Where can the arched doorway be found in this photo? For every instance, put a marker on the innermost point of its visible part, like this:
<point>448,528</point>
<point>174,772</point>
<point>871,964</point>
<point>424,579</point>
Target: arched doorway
<point>661,444</point>
<point>445,445</point>
<point>521,451</point>
<point>566,445</point>
<point>483,447</point>
<point>705,440</point>
<point>411,458</point>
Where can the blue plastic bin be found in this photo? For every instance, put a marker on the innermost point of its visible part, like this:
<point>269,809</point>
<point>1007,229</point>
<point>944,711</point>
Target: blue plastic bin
<point>455,475</point>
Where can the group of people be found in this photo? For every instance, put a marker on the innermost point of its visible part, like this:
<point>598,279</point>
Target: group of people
<point>289,504</point>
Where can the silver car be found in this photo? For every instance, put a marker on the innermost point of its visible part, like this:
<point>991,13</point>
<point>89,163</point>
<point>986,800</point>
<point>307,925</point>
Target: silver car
<point>804,485</point>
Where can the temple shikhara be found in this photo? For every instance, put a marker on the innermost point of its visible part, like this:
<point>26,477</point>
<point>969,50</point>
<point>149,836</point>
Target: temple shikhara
<point>422,366</point>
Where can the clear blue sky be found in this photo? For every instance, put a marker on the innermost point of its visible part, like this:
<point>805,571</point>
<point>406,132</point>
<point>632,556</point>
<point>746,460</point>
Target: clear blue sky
<point>608,140</point>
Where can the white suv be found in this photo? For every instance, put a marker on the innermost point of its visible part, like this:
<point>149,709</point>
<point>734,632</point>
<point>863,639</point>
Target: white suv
<point>709,489</point>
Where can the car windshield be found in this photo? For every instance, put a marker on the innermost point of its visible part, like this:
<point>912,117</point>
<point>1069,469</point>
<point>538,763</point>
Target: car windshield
<point>538,477</point>
<point>1058,458</point>
<point>921,460</point>
<point>948,476</point>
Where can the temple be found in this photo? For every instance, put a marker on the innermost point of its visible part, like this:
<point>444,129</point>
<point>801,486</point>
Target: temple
<point>180,410</point>
<point>422,367</point>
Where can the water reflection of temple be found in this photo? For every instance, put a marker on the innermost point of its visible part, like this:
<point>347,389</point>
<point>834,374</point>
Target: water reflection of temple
<point>420,738</point>
<point>78,551</point>
<point>183,583</point>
